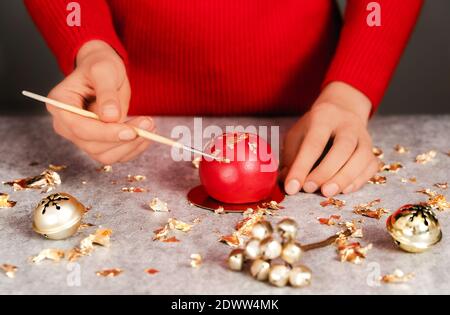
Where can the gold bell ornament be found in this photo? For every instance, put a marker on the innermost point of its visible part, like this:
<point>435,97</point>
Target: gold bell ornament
<point>58,216</point>
<point>414,228</point>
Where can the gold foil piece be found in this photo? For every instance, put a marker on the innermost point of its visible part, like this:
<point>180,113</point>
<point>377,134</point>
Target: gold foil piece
<point>233,240</point>
<point>46,181</point>
<point>105,169</point>
<point>426,157</point>
<point>151,271</point>
<point>5,202</point>
<point>330,220</point>
<point>393,168</point>
<point>158,205</point>
<point>401,149</point>
<point>57,168</point>
<point>352,252</point>
<point>333,202</point>
<point>9,270</point>
<point>134,189</point>
<point>378,180</point>
<point>51,254</point>
<point>109,273</point>
<point>409,180</point>
<point>179,225</point>
<point>398,276</point>
<point>441,185</point>
<point>273,205</point>
<point>378,152</point>
<point>136,178</point>
<point>365,209</point>
<point>196,260</point>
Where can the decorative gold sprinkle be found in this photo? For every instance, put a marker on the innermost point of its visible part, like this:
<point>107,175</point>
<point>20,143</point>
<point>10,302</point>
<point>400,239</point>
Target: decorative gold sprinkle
<point>136,178</point>
<point>50,254</point>
<point>175,224</point>
<point>57,168</point>
<point>158,205</point>
<point>352,252</point>
<point>231,240</point>
<point>196,260</point>
<point>105,169</point>
<point>133,189</point>
<point>378,152</point>
<point>426,157</point>
<point>393,168</point>
<point>272,205</point>
<point>220,210</point>
<point>333,202</point>
<point>401,149</point>
<point>109,273</point>
<point>9,270</point>
<point>365,209</point>
<point>151,271</point>
<point>441,185</point>
<point>330,220</point>
<point>378,180</point>
<point>409,180</point>
<point>397,276</point>
<point>46,181</point>
<point>5,202</point>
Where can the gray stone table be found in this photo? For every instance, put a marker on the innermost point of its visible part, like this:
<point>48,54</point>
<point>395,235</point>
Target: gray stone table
<point>27,139</point>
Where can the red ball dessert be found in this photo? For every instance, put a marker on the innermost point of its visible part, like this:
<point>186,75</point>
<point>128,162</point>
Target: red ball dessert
<point>245,170</point>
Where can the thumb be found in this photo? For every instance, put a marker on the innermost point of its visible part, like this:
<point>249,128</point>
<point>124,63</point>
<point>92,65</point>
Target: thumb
<point>106,83</point>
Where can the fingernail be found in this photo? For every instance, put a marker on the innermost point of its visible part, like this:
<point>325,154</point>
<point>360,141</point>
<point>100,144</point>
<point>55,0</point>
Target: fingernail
<point>292,187</point>
<point>146,124</point>
<point>310,187</point>
<point>110,111</point>
<point>330,190</point>
<point>349,189</point>
<point>127,134</point>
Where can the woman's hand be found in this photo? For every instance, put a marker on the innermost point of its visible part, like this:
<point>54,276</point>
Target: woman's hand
<point>340,116</point>
<point>100,84</point>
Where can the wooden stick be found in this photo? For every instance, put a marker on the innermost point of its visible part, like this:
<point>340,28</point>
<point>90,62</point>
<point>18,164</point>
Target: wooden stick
<point>141,132</point>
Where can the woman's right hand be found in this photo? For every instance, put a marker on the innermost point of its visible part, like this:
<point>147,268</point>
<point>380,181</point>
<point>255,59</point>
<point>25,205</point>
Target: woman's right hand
<point>99,84</point>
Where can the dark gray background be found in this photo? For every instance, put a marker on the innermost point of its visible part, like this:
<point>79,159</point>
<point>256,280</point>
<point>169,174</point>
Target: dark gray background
<point>420,85</point>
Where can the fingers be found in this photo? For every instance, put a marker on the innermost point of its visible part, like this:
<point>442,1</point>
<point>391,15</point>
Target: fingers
<point>359,161</point>
<point>343,147</point>
<point>311,149</point>
<point>106,78</point>
<point>363,178</point>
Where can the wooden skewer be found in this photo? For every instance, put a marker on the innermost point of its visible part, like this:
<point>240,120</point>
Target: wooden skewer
<point>141,132</point>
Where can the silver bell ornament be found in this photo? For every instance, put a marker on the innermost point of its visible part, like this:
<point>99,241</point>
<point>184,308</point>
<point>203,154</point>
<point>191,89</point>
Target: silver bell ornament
<point>260,270</point>
<point>58,216</point>
<point>279,275</point>
<point>287,228</point>
<point>414,228</point>
<point>236,259</point>
<point>253,249</point>
<point>270,248</point>
<point>261,230</point>
<point>291,252</point>
<point>300,276</point>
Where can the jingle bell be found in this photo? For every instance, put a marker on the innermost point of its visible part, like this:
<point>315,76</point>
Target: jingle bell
<point>279,275</point>
<point>270,248</point>
<point>253,249</point>
<point>300,276</point>
<point>287,228</point>
<point>291,252</point>
<point>58,216</point>
<point>260,270</point>
<point>261,230</point>
<point>414,228</point>
<point>236,259</point>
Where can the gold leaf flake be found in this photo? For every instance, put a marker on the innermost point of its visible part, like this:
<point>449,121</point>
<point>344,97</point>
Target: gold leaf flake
<point>9,270</point>
<point>158,205</point>
<point>196,260</point>
<point>353,228</point>
<point>439,202</point>
<point>109,273</point>
<point>378,180</point>
<point>179,225</point>
<point>50,254</point>
<point>333,202</point>
<point>397,276</point>
<point>378,152</point>
<point>85,226</point>
<point>330,220</point>
<point>220,210</point>
<point>428,192</point>
<point>365,209</point>
<point>133,189</point>
<point>426,157</point>
<point>136,178</point>
<point>151,271</point>
<point>409,180</point>
<point>352,252</point>
<point>441,185</point>
<point>46,181</point>
<point>105,169</point>
<point>393,168</point>
<point>245,226</point>
<point>161,233</point>
<point>57,168</point>
<point>272,205</point>
<point>231,240</point>
<point>172,239</point>
<point>5,202</point>
<point>100,237</point>
<point>401,149</point>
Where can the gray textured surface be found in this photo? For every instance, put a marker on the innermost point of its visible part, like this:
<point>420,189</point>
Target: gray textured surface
<point>31,139</point>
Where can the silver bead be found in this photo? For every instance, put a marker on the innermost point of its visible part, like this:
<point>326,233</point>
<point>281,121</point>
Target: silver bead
<point>279,275</point>
<point>287,228</point>
<point>253,249</point>
<point>261,230</point>
<point>291,252</point>
<point>260,270</point>
<point>300,276</point>
<point>270,248</point>
<point>58,216</point>
<point>236,259</point>
<point>414,228</point>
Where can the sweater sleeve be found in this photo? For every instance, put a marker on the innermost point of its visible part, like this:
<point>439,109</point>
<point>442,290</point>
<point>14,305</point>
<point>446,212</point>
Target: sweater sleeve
<point>367,56</point>
<point>50,16</point>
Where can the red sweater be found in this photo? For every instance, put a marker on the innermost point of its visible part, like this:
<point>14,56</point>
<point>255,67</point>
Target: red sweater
<point>228,57</point>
